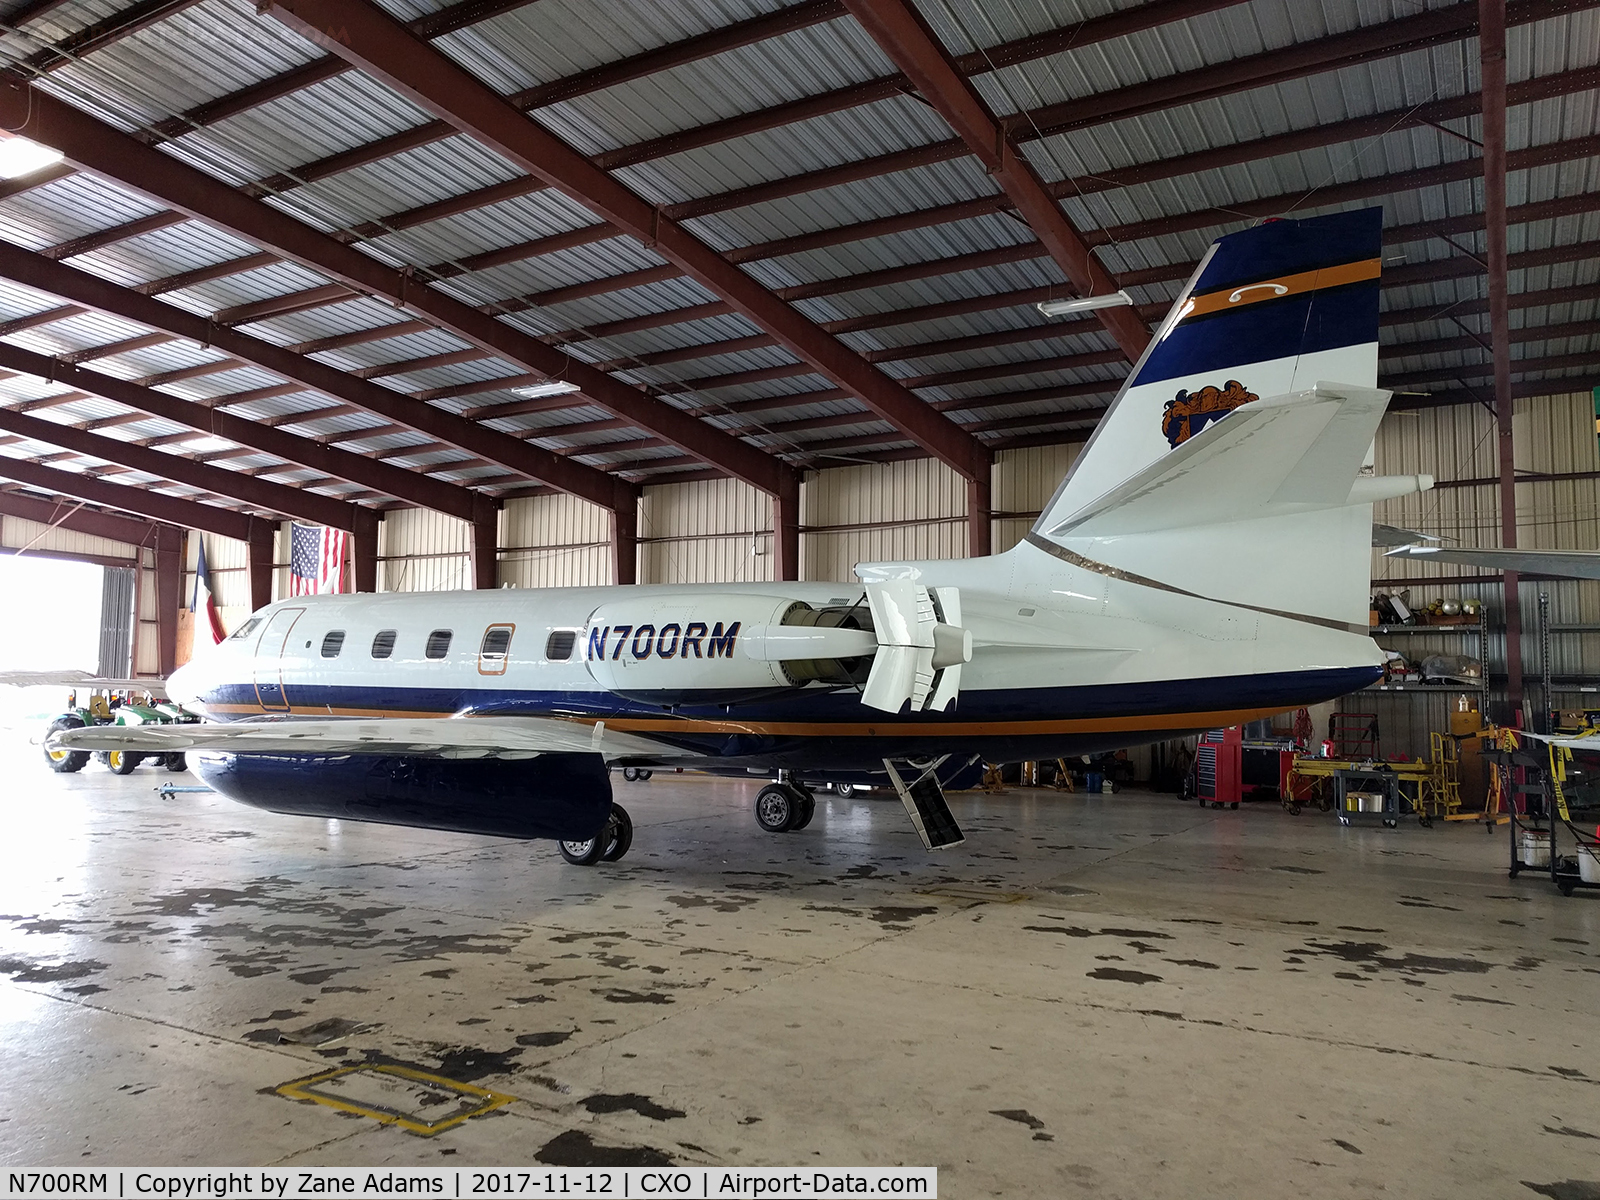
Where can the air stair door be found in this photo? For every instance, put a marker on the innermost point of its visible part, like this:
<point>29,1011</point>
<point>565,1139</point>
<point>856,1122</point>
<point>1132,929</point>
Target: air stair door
<point>269,659</point>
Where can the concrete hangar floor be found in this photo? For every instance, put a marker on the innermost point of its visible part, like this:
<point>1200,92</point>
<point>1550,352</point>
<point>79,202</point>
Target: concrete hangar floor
<point>1108,996</point>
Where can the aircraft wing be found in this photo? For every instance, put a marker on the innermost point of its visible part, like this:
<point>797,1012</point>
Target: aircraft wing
<point>83,679</point>
<point>1569,564</point>
<point>435,737</point>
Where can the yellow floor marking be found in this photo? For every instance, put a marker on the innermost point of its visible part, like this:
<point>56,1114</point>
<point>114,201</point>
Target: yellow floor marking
<point>392,1082</point>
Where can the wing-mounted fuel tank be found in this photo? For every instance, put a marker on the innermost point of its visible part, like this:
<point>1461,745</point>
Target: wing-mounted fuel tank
<point>725,648</point>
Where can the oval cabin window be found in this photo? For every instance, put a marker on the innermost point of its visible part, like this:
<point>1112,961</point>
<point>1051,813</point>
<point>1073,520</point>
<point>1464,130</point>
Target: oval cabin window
<point>383,644</point>
<point>333,643</point>
<point>559,646</point>
<point>438,644</point>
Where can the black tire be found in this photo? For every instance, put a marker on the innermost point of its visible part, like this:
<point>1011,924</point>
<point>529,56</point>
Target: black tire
<point>1566,888</point>
<point>844,790</point>
<point>120,762</point>
<point>620,829</point>
<point>584,853</point>
<point>776,808</point>
<point>631,774</point>
<point>643,774</point>
<point>808,809</point>
<point>65,762</point>
<point>176,762</point>
<point>1234,804</point>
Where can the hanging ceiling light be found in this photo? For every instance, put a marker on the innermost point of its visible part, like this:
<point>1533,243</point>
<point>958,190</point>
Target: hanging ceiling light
<point>551,387</point>
<point>1060,308</point>
<point>19,156</point>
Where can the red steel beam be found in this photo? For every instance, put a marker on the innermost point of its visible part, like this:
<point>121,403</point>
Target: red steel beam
<point>390,480</point>
<point>170,510</point>
<point>114,155</point>
<point>363,34</point>
<point>111,526</point>
<point>255,493</point>
<point>902,34</point>
<point>1492,58</point>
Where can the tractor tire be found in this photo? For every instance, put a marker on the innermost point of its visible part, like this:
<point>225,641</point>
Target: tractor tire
<point>65,762</point>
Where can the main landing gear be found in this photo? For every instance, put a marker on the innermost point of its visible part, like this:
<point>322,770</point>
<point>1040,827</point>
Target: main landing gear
<point>784,805</point>
<point>609,845</point>
<point>636,774</point>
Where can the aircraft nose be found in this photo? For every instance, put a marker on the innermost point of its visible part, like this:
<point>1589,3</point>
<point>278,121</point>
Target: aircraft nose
<point>185,685</point>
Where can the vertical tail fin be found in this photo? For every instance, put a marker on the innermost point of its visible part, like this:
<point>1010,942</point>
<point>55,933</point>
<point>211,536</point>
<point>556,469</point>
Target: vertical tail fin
<point>1271,310</point>
<point>1272,507</point>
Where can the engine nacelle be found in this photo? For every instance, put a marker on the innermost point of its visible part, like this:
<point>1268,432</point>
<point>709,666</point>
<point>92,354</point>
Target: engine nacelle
<point>722,648</point>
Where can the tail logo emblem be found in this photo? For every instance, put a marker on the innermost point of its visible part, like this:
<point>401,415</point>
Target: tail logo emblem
<point>1188,413</point>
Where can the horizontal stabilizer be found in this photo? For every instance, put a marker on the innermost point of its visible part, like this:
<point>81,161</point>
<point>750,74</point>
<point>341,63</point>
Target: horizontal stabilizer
<point>1568,564</point>
<point>1393,535</point>
<point>1276,457</point>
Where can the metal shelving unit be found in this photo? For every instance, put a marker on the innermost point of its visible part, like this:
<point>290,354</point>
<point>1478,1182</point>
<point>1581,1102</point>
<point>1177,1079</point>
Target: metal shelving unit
<point>1479,631</point>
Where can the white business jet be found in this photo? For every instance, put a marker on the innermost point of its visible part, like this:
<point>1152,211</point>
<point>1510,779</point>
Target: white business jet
<point>1204,563</point>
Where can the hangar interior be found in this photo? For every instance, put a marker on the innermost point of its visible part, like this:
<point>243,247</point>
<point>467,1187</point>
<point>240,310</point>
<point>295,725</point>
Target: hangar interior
<point>539,293</point>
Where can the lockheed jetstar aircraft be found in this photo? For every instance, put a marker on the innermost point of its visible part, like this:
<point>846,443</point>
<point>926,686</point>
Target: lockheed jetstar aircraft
<point>1204,563</point>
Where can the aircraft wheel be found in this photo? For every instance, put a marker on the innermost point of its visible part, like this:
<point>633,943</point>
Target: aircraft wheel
<point>643,773</point>
<point>64,762</point>
<point>585,853</point>
<point>176,762</point>
<point>807,809</point>
<point>631,774</point>
<point>620,831</point>
<point>120,762</point>
<point>844,790</point>
<point>776,808</point>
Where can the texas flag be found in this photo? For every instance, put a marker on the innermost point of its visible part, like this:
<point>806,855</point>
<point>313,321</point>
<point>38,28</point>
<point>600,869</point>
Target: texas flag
<point>202,587</point>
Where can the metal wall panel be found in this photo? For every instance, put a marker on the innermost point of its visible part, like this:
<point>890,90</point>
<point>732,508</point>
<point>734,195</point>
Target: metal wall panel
<point>554,541</point>
<point>15,533</point>
<point>880,512</point>
<point>707,531</point>
<point>420,550</point>
<point>1024,481</point>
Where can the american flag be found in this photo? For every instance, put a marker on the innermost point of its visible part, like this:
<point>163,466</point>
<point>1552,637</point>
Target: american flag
<point>316,560</point>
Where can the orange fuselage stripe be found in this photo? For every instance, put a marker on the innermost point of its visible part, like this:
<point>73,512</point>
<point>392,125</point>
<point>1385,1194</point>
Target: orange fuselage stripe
<point>889,727</point>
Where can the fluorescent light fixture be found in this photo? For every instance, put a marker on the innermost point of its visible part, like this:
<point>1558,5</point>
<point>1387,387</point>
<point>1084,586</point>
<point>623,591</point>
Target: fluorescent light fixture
<point>551,387</point>
<point>19,157</point>
<point>1060,308</point>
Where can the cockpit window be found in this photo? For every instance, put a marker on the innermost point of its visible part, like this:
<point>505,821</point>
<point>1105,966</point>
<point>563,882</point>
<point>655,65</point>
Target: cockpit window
<point>383,644</point>
<point>438,644</point>
<point>245,630</point>
<point>332,643</point>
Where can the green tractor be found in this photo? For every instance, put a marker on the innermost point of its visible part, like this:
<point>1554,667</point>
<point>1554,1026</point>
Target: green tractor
<point>115,708</point>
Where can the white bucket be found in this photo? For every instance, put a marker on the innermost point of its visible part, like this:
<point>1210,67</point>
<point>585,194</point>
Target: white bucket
<point>1535,848</point>
<point>1589,864</point>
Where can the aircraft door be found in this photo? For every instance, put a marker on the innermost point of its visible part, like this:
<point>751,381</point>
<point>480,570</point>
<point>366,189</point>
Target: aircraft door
<point>269,659</point>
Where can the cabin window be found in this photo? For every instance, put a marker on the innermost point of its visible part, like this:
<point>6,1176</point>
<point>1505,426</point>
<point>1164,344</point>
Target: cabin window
<point>492,653</point>
<point>438,644</point>
<point>245,630</point>
<point>383,644</point>
<point>558,647</point>
<point>332,643</point>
